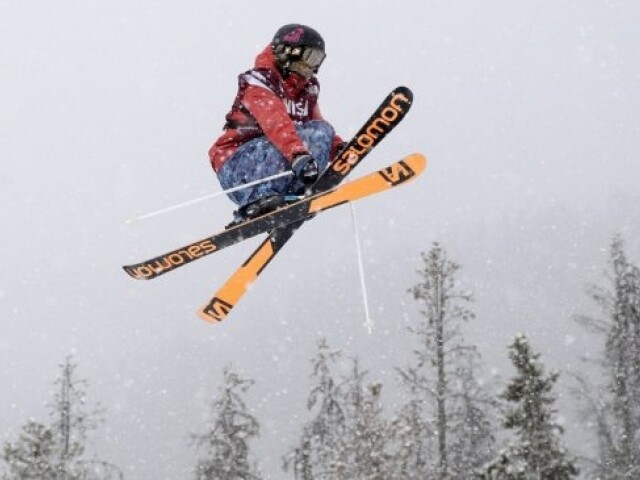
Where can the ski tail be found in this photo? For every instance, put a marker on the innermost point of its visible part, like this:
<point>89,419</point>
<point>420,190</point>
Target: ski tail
<point>221,304</point>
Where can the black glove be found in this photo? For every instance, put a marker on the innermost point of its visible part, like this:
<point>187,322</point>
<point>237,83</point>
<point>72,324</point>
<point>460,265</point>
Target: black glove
<point>305,168</point>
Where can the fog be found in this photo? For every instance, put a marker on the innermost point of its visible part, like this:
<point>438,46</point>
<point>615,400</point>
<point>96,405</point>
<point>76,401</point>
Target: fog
<point>527,112</point>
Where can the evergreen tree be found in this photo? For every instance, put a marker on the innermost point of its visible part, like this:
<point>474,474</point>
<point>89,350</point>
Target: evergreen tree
<point>33,456</point>
<point>411,433</point>
<point>472,422</point>
<point>71,420</point>
<point>318,451</point>
<point>346,438</point>
<point>441,380</point>
<point>362,450</point>
<point>615,405</point>
<point>537,452</point>
<point>226,443</point>
<point>57,451</point>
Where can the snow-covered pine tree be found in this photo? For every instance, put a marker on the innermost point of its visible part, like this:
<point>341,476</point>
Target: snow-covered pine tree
<point>71,421</point>
<point>614,406</point>
<point>411,433</point>
<point>536,452</point>
<point>471,420</point>
<point>362,454</point>
<point>34,455</point>
<point>346,438</point>
<point>65,440</point>
<point>441,379</point>
<point>318,450</point>
<point>226,442</point>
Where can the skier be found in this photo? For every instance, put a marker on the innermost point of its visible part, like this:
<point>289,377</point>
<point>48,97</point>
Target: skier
<point>275,125</point>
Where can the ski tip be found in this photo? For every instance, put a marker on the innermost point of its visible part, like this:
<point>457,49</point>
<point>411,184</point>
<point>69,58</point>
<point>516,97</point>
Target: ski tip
<point>420,160</point>
<point>415,163</point>
<point>139,272</point>
<point>404,92</point>
<point>214,311</point>
<point>131,271</point>
<point>403,89</point>
<point>417,158</point>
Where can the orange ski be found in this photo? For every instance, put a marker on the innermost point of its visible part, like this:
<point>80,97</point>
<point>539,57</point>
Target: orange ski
<point>232,291</point>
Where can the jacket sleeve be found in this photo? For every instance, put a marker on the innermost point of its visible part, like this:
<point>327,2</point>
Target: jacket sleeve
<point>271,114</point>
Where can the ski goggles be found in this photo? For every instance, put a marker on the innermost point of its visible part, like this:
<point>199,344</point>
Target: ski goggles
<point>311,56</point>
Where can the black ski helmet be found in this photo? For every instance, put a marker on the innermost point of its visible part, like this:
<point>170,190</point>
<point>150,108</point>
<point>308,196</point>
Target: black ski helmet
<point>292,41</point>
<point>297,35</point>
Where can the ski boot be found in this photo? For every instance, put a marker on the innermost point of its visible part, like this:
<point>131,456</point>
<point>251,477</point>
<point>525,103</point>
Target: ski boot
<point>256,208</point>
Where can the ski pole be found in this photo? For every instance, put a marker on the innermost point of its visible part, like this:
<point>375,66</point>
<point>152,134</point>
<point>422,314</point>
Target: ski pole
<point>363,285</point>
<point>177,206</point>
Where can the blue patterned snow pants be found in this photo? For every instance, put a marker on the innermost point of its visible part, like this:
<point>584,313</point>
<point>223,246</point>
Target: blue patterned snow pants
<point>259,158</point>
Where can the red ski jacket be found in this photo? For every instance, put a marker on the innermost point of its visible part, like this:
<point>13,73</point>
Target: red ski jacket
<point>268,104</point>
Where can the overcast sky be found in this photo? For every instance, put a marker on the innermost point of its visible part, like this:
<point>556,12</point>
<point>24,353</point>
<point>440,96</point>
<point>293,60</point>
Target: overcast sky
<point>527,111</point>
